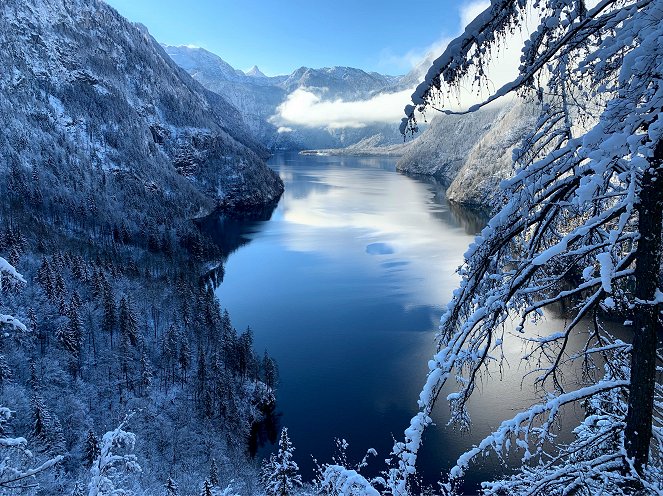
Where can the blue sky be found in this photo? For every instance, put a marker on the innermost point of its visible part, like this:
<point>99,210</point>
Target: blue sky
<point>282,35</point>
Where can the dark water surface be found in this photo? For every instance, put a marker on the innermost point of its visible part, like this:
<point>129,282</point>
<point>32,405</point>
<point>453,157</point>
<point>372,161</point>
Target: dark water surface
<point>344,285</point>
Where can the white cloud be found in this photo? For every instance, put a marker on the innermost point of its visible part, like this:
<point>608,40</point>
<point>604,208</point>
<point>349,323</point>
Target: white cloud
<point>302,107</point>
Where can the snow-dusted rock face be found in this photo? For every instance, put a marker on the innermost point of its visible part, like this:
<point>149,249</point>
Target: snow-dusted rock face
<point>491,160</point>
<point>472,152</point>
<point>91,96</point>
<point>258,96</point>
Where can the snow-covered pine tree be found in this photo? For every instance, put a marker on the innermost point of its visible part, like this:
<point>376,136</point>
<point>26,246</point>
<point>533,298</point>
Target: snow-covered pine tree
<point>207,489</point>
<point>280,474</point>
<point>111,469</point>
<point>171,487</point>
<point>46,428</point>
<point>128,322</point>
<point>90,449</point>
<point>581,222</point>
<point>214,473</point>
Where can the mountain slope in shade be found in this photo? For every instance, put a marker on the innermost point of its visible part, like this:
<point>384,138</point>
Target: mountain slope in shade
<point>92,99</point>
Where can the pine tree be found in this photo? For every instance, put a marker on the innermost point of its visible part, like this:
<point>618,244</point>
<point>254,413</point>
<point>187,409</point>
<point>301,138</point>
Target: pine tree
<point>270,371</point>
<point>5,371</point>
<point>214,473</point>
<point>171,487</point>
<point>184,357</point>
<point>146,373</point>
<point>280,474</point>
<point>90,449</point>
<point>109,320</point>
<point>46,428</point>
<point>207,489</point>
<point>128,322</point>
<point>46,278</point>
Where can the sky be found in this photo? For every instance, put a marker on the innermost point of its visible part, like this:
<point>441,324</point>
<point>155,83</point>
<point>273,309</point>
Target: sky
<point>280,36</point>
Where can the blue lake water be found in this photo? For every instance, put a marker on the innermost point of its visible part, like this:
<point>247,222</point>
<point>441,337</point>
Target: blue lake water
<point>344,285</point>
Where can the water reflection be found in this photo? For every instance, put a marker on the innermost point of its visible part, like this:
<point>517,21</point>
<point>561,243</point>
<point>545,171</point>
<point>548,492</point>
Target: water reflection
<point>230,232</point>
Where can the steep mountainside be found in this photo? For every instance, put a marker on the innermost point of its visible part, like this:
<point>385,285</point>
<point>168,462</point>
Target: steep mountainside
<point>258,97</point>
<point>108,149</point>
<point>87,96</point>
<point>472,152</point>
<point>255,97</point>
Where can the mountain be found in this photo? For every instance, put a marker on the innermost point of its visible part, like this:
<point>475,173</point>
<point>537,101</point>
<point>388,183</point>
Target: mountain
<point>255,72</point>
<point>109,154</point>
<point>87,96</point>
<point>338,82</point>
<point>258,97</point>
<point>255,97</point>
<point>472,153</point>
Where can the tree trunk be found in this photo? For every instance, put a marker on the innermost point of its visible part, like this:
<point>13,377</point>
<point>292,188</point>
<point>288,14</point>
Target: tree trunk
<point>647,319</point>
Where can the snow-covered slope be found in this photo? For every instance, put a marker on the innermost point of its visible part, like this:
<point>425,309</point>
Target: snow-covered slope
<point>339,82</point>
<point>93,99</point>
<point>490,159</point>
<point>472,152</point>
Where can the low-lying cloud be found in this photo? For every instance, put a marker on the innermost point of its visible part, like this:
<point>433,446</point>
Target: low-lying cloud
<point>304,108</point>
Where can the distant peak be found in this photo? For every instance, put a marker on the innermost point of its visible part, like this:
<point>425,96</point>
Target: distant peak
<point>255,72</point>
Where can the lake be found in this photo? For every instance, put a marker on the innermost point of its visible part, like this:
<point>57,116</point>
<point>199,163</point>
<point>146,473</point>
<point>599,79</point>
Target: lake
<point>344,284</point>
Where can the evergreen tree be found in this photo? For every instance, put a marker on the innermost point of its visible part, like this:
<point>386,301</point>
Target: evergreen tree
<point>280,474</point>
<point>270,371</point>
<point>109,320</point>
<point>46,428</point>
<point>5,371</point>
<point>90,449</point>
<point>171,487</point>
<point>184,357</point>
<point>207,489</point>
<point>128,322</point>
<point>214,473</point>
<point>146,373</point>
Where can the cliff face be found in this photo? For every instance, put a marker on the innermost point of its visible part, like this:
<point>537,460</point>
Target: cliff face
<point>90,99</point>
<point>472,153</point>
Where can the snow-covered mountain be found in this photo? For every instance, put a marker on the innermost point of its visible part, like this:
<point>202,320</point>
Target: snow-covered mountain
<point>84,93</point>
<point>473,152</point>
<point>255,72</point>
<point>258,96</point>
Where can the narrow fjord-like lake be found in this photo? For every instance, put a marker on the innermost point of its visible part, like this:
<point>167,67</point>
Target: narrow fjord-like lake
<point>344,285</point>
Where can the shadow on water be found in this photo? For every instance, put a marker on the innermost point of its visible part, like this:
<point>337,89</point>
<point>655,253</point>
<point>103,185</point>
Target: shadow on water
<point>230,231</point>
<point>472,221</point>
<point>266,431</point>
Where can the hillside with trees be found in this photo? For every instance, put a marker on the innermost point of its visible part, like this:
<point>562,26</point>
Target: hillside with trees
<point>109,152</point>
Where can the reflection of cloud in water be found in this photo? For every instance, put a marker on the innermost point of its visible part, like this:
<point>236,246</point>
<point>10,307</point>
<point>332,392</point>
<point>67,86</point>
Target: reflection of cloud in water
<point>349,217</point>
<point>379,249</point>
